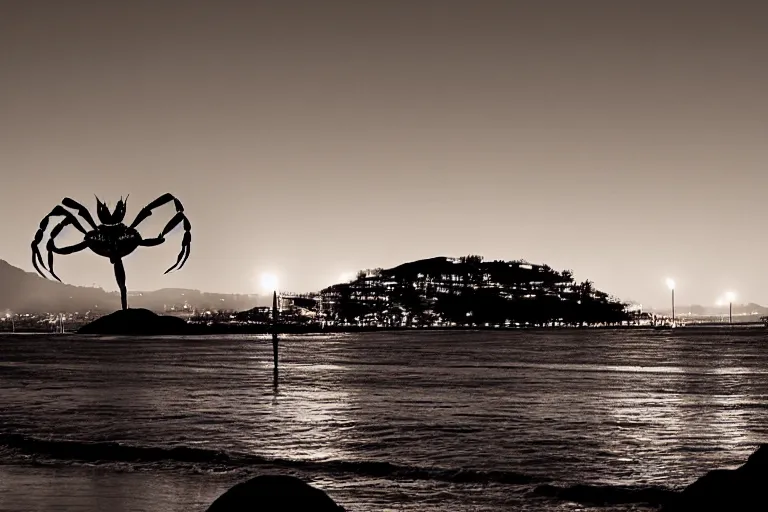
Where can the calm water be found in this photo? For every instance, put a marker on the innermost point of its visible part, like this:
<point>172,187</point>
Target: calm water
<point>425,422</point>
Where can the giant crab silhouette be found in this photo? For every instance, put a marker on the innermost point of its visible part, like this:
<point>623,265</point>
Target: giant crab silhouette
<point>111,239</point>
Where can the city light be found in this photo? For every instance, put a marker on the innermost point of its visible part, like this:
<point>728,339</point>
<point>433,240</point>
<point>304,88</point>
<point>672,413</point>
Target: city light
<point>268,282</point>
<point>671,286</point>
<point>9,316</point>
<point>729,298</point>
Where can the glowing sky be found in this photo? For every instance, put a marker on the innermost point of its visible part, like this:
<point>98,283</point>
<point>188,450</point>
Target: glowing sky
<point>624,140</point>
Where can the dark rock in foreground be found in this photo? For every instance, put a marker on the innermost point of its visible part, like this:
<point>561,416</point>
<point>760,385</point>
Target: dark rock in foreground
<point>602,495</point>
<point>744,489</point>
<point>273,493</point>
<point>136,322</point>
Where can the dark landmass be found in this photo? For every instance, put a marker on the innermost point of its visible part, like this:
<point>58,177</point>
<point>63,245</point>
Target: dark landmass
<point>274,493</point>
<point>466,292</point>
<point>744,489</point>
<point>470,291</point>
<point>136,322</point>
<point>442,293</point>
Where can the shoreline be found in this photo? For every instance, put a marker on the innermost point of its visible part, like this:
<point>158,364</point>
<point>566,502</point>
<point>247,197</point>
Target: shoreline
<point>222,329</point>
<point>715,489</point>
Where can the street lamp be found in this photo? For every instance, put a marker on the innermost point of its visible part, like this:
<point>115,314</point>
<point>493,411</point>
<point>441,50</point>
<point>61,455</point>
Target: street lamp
<point>671,286</point>
<point>730,297</point>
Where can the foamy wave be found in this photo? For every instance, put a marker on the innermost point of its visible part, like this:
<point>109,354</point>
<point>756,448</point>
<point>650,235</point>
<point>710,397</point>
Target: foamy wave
<point>118,453</point>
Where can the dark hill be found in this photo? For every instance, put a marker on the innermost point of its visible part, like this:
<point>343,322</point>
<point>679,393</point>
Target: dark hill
<point>27,292</point>
<point>136,322</point>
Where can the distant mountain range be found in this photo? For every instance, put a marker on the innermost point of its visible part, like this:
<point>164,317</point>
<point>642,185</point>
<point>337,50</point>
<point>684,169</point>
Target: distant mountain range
<point>698,310</point>
<point>26,292</point>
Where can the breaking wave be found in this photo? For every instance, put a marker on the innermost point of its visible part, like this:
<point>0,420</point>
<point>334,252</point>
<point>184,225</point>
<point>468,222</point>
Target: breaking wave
<point>40,450</point>
<point>108,452</point>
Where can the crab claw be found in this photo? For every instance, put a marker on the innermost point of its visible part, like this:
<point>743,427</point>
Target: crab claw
<point>183,254</point>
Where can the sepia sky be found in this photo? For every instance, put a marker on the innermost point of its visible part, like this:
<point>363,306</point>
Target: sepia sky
<point>627,141</point>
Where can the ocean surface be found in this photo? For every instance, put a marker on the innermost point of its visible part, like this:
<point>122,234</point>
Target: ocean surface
<point>446,421</point>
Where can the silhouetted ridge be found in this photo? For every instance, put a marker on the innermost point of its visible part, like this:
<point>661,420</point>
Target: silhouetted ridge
<point>112,452</point>
<point>25,292</point>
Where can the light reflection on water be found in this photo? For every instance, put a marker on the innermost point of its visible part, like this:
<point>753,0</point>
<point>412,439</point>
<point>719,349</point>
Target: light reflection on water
<point>622,407</point>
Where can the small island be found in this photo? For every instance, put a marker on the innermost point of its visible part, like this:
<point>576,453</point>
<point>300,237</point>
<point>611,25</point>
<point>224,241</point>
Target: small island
<point>136,322</point>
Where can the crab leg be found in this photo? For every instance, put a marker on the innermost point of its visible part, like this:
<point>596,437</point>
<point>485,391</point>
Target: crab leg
<point>186,241</point>
<point>157,203</point>
<point>63,250</point>
<point>81,210</point>
<point>183,253</point>
<point>51,246</point>
<point>185,244</point>
<point>69,218</point>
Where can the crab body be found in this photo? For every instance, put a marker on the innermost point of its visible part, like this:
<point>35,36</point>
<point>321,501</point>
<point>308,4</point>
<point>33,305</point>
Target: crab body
<point>111,239</point>
<point>115,241</point>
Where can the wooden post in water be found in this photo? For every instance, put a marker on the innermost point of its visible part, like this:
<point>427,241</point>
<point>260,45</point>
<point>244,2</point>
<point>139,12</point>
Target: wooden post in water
<point>274,337</point>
